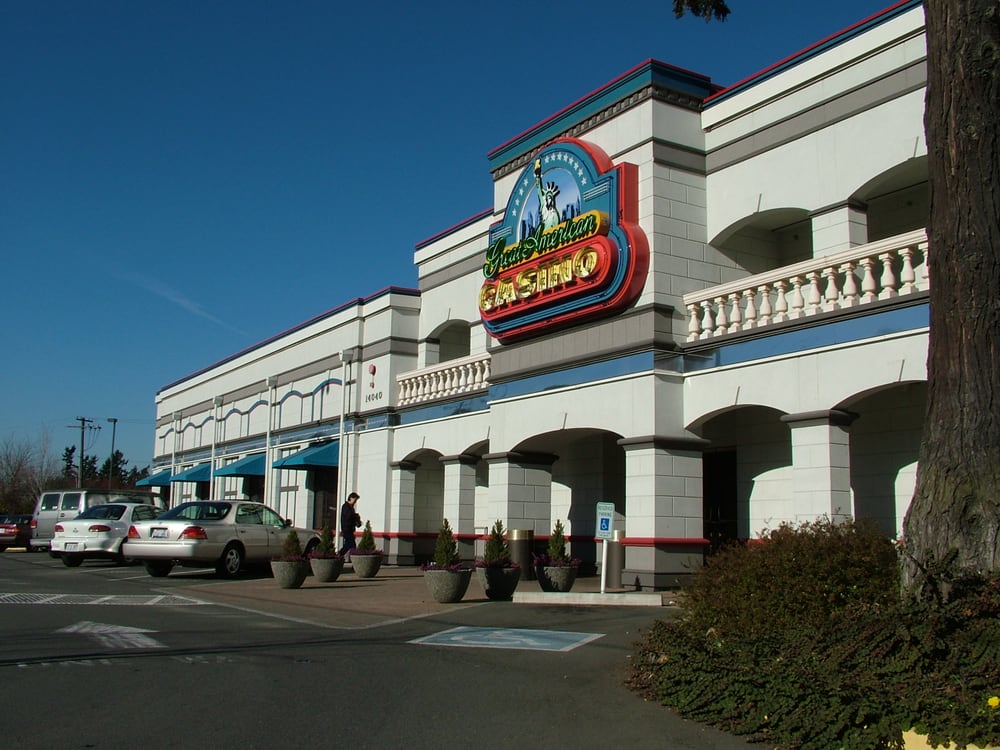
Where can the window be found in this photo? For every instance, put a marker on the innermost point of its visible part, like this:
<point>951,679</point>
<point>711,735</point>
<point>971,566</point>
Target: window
<point>249,514</point>
<point>50,502</point>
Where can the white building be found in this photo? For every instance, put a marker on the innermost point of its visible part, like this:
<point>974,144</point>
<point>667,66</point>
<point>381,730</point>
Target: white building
<point>706,306</point>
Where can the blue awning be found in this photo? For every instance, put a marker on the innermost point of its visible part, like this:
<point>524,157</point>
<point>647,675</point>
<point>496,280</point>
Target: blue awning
<point>248,466</point>
<point>321,456</point>
<point>159,479</point>
<point>199,473</point>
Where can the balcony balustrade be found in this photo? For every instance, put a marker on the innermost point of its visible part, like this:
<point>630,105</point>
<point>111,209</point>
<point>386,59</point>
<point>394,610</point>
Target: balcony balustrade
<point>451,378</point>
<point>882,270</point>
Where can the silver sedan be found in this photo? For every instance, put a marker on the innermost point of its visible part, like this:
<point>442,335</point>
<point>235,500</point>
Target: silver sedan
<point>222,534</point>
<point>98,532</point>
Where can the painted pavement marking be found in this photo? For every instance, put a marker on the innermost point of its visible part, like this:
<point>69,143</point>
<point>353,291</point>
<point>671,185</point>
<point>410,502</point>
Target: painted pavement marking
<point>116,637</point>
<point>114,600</point>
<point>510,638</point>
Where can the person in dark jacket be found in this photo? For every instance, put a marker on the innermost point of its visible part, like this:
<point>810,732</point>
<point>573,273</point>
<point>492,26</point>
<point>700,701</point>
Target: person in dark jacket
<point>349,521</point>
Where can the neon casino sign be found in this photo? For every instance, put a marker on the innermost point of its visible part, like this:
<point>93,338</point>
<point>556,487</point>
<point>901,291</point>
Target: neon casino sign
<point>569,248</point>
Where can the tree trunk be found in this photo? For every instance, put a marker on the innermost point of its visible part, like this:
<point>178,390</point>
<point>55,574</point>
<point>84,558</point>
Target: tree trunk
<point>956,504</point>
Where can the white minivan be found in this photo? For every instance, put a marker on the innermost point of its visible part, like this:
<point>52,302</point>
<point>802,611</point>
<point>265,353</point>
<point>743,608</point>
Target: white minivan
<point>54,506</point>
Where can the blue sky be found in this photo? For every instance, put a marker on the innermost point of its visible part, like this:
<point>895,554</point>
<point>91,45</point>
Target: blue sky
<point>181,180</point>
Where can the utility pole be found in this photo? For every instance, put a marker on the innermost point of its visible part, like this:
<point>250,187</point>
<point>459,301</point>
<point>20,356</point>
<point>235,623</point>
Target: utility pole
<point>83,426</point>
<point>111,461</point>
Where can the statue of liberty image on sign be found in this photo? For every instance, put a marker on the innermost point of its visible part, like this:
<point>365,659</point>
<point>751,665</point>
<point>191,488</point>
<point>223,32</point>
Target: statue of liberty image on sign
<point>569,247</point>
<point>544,206</point>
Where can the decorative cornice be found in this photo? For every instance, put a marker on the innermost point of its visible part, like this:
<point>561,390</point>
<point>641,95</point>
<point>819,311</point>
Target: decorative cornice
<point>838,417</point>
<point>460,458</point>
<point>517,457</point>
<point>651,91</point>
<point>678,442</point>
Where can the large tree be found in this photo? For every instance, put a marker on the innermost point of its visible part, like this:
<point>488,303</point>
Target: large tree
<point>955,512</point>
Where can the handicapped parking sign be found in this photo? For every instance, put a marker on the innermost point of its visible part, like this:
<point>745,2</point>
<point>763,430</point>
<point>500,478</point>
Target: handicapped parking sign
<point>605,515</point>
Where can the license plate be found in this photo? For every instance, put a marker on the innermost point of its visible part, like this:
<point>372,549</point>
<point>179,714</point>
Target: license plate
<point>159,534</point>
<point>70,546</point>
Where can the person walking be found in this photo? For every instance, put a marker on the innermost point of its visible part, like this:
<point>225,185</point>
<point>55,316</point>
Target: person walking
<point>349,521</point>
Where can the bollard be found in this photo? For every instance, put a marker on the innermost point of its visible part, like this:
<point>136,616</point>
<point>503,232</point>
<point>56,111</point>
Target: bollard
<point>616,560</point>
<point>521,542</point>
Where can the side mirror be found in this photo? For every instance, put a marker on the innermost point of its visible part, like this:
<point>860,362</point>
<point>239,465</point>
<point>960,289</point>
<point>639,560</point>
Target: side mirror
<point>287,522</point>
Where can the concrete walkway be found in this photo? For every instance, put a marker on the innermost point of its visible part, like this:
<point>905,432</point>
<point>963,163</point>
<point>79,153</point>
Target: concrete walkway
<point>394,594</point>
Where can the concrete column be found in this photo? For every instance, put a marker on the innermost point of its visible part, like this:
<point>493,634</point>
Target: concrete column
<point>837,228</point>
<point>520,491</point>
<point>460,500</point>
<point>664,525</point>
<point>821,465</point>
<point>404,483</point>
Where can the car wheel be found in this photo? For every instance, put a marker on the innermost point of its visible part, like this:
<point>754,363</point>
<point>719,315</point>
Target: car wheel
<point>311,547</point>
<point>72,561</point>
<point>158,568</point>
<point>231,561</point>
<point>2,548</point>
<point>119,557</point>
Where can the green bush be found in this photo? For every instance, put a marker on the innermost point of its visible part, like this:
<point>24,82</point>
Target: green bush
<point>793,576</point>
<point>557,544</point>
<point>445,548</point>
<point>496,551</point>
<point>367,541</point>
<point>291,550</point>
<point>852,670</point>
<point>327,546</point>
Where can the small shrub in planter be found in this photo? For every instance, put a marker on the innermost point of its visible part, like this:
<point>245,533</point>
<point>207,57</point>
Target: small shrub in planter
<point>445,551</point>
<point>446,577</point>
<point>497,574</point>
<point>290,566</point>
<point>366,557</point>
<point>556,570</point>
<point>324,561</point>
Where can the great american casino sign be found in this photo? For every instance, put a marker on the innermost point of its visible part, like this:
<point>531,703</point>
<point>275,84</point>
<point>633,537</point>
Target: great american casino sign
<point>569,247</point>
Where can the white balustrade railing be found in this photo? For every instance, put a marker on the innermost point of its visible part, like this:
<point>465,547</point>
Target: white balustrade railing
<point>451,378</point>
<point>881,270</point>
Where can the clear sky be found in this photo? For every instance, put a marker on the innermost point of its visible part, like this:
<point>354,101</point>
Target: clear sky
<point>182,179</point>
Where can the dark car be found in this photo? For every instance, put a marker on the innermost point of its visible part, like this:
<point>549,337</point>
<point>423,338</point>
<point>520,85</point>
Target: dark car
<point>15,530</point>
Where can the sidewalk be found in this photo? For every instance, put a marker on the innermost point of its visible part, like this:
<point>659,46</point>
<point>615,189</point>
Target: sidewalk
<point>396,593</point>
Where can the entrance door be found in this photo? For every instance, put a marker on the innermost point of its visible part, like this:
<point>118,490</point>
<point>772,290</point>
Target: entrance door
<point>719,503</point>
<point>324,487</point>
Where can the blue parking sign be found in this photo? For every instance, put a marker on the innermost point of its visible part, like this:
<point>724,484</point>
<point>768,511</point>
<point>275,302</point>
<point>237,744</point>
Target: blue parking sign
<point>605,515</point>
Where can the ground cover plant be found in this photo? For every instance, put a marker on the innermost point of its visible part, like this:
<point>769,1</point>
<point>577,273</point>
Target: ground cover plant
<point>803,639</point>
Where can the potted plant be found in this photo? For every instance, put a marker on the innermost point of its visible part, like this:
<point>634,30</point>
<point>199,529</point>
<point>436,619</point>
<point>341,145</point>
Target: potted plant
<point>497,574</point>
<point>445,576</point>
<point>366,558</point>
<point>555,569</point>
<point>324,561</point>
<point>290,568</point>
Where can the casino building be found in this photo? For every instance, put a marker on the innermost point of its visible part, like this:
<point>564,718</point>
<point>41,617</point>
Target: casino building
<point>707,306</point>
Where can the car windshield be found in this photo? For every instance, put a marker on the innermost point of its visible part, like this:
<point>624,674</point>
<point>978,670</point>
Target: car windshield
<point>208,511</point>
<point>113,512</point>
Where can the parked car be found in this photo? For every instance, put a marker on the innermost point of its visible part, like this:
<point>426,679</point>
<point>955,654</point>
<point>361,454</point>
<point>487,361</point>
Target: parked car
<point>15,531</point>
<point>222,534</point>
<point>54,506</point>
<point>98,532</point>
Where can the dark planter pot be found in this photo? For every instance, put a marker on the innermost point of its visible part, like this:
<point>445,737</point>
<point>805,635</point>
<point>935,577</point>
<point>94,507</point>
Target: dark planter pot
<point>289,575</point>
<point>366,566</point>
<point>448,586</point>
<point>326,569</point>
<point>498,583</point>
<point>556,577</point>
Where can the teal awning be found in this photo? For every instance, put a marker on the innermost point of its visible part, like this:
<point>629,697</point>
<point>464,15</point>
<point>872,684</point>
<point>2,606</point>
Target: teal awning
<point>321,456</point>
<point>248,466</point>
<point>159,479</point>
<point>199,473</point>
